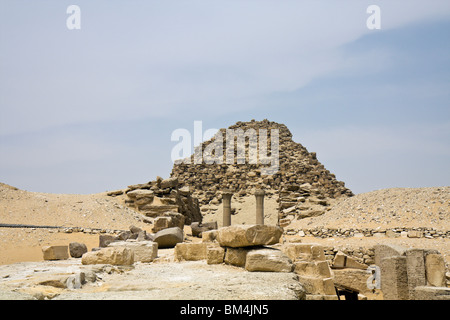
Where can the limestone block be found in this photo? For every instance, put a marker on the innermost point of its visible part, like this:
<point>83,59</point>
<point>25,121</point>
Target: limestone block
<point>248,235</point>
<point>144,251</point>
<point>77,249</point>
<point>394,278</point>
<point>55,252</point>
<point>190,251</point>
<point>105,239</point>
<point>209,236</point>
<point>304,251</point>
<point>386,250</point>
<point>355,279</point>
<point>268,259</point>
<point>236,256</point>
<point>432,293</point>
<point>215,255</point>
<point>312,268</point>
<point>109,255</point>
<point>415,266</point>
<point>317,285</point>
<point>198,228</point>
<point>169,237</point>
<point>435,270</point>
<point>341,260</point>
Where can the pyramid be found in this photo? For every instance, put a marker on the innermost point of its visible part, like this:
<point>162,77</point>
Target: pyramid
<point>294,175</point>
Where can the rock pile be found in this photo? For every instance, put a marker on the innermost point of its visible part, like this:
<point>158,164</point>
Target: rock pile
<point>156,198</point>
<point>301,181</point>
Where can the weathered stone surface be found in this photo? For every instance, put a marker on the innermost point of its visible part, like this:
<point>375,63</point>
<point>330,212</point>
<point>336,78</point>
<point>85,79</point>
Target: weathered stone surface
<point>169,183</point>
<point>215,255</point>
<point>209,236</point>
<point>313,268</point>
<point>317,285</point>
<point>435,270</point>
<point>304,251</point>
<point>415,266</point>
<point>109,255</point>
<point>394,278</point>
<point>77,249</point>
<point>341,260</point>
<point>432,293</point>
<point>169,219</point>
<point>248,235</point>
<point>236,256</point>
<point>169,237</point>
<point>143,251</point>
<point>55,252</point>
<point>198,228</point>
<point>387,250</point>
<point>355,279</point>
<point>190,251</point>
<point>269,260</point>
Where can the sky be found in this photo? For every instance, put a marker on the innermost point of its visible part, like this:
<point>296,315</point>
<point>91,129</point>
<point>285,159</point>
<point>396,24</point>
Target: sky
<point>93,109</point>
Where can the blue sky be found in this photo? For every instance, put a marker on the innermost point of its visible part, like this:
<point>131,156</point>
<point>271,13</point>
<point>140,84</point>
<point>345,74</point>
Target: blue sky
<point>89,110</point>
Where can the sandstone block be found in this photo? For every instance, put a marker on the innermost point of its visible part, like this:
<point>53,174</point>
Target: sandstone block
<point>267,259</point>
<point>55,252</point>
<point>77,249</point>
<point>168,238</point>
<point>143,251</point>
<point>248,235</point>
<point>109,255</point>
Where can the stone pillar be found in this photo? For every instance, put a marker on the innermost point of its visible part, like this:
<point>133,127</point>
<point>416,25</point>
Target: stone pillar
<point>226,198</point>
<point>259,194</point>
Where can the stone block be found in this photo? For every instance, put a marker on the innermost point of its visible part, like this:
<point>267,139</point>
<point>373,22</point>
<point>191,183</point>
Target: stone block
<point>215,255</point>
<point>355,279</point>
<point>109,255</point>
<point>55,252</point>
<point>209,236</point>
<point>236,256</point>
<point>415,266</point>
<point>304,251</point>
<point>432,293</point>
<point>190,251</point>
<point>268,260</point>
<point>313,268</point>
<point>144,251</point>
<point>77,249</point>
<point>317,285</point>
<point>435,270</point>
<point>341,260</point>
<point>394,278</point>
<point>169,237</point>
<point>415,234</point>
<point>248,235</point>
<point>105,239</point>
<point>386,250</point>
<point>198,228</point>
